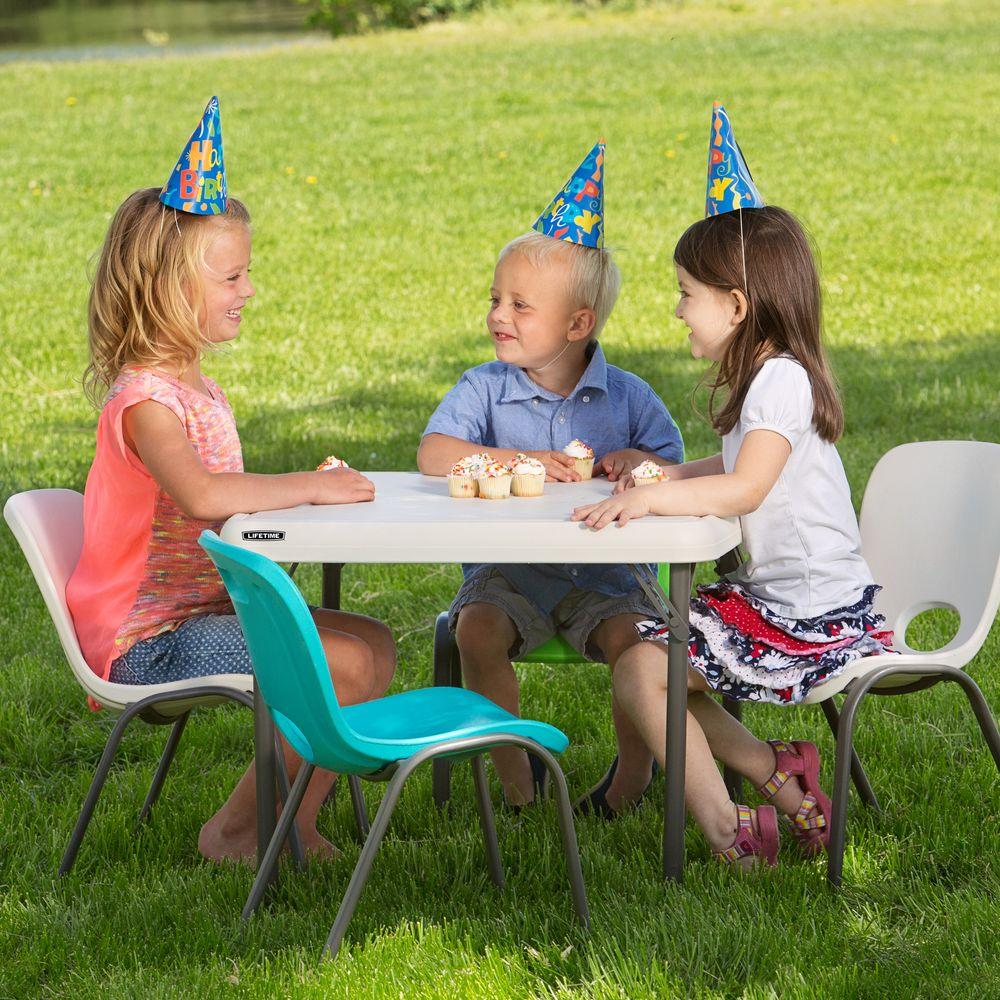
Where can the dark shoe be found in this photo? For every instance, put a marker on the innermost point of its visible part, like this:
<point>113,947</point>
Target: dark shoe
<point>540,781</point>
<point>595,802</point>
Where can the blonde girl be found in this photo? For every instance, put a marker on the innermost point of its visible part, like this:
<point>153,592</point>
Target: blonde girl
<point>147,604</point>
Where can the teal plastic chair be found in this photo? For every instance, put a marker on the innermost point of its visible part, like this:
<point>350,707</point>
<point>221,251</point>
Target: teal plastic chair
<point>448,672</point>
<point>382,740</point>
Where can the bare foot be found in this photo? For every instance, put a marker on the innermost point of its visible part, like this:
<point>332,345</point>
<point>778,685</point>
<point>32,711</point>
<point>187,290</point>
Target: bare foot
<point>318,847</point>
<point>217,844</point>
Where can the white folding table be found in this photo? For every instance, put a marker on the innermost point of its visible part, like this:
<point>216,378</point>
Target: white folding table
<point>413,520</point>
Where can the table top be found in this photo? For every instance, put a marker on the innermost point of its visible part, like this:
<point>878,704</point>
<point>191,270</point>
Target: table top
<point>413,520</point>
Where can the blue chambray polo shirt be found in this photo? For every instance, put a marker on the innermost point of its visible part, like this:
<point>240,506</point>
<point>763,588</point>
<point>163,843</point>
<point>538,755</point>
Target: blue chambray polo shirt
<point>496,405</point>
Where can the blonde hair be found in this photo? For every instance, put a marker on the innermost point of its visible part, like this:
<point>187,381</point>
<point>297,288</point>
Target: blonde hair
<point>594,278</point>
<point>145,295</point>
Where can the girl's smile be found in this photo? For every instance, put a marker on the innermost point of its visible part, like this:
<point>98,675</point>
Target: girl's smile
<point>226,285</point>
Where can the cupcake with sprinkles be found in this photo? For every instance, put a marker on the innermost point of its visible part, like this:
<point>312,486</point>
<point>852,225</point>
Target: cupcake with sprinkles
<point>331,462</point>
<point>528,476</point>
<point>583,457</point>
<point>462,478</point>
<point>494,480</point>
<point>648,473</point>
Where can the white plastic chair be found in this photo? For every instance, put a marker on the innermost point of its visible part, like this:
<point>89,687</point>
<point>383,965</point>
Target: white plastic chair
<point>930,530</point>
<point>48,525</point>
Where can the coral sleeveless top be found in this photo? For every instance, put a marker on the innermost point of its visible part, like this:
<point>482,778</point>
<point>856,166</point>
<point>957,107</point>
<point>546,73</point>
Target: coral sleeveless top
<point>142,571</point>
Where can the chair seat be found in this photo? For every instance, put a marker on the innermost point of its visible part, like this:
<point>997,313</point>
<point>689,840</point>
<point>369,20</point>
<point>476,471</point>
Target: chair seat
<point>869,664</point>
<point>396,727</point>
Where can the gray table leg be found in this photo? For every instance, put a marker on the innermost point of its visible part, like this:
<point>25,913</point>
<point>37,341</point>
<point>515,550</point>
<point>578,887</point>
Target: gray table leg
<point>673,772</point>
<point>266,773</point>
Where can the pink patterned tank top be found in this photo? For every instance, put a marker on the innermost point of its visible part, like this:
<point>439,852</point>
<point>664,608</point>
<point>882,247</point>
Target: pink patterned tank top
<point>142,571</point>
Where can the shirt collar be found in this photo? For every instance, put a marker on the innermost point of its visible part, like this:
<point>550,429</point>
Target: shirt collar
<point>517,385</point>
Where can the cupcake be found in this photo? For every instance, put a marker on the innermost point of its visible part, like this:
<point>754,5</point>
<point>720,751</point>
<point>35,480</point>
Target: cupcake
<point>649,473</point>
<point>331,462</point>
<point>529,476</point>
<point>462,478</point>
<point>583,457</point>
<point>494,481</point>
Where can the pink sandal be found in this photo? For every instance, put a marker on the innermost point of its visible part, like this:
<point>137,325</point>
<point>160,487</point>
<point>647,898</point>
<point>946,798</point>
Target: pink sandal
<point>800,759</point>
<point>762,844</point>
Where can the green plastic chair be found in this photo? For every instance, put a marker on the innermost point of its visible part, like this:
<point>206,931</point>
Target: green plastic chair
<point>381,740</point>
<point>448,673</point>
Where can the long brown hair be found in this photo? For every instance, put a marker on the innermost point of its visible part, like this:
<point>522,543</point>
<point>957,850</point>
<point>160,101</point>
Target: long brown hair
<point>146,292</point>
<point>784,313</point>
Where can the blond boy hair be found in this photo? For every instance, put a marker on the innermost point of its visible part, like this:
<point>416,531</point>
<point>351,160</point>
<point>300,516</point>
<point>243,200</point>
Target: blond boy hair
<point>594,279</point>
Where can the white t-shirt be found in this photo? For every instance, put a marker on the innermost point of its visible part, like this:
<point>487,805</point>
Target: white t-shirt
<point>802,542</point>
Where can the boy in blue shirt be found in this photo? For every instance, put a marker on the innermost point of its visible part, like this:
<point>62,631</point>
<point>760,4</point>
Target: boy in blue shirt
<point>550,384</point>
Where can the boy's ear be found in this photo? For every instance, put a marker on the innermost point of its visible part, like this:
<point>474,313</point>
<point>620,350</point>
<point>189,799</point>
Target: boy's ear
<point>581,324</point>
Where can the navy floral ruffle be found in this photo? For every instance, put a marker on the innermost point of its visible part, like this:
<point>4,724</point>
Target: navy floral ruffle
<point>748,652</point>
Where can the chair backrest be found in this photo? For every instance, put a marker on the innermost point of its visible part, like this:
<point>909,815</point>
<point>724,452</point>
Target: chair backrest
<point>48,525</point>
<point>288,659</point>
<point>930,531</point>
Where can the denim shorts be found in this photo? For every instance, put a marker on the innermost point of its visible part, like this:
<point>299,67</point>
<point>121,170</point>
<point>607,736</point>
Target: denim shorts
<point>574,618</point>
<point>199,647</point>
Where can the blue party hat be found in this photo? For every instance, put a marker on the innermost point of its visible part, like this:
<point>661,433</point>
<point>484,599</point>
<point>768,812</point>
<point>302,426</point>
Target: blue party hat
<point>730,185</point>
<point>576,214</point>
<point>197,184</point>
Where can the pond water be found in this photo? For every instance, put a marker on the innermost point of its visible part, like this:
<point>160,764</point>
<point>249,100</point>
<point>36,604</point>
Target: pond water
<point>81,28</point>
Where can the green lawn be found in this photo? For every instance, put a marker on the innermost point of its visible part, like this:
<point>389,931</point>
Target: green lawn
<point>875,121</point>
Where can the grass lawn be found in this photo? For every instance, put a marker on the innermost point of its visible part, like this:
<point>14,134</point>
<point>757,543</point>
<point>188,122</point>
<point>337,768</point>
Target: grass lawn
<point>429,150</point>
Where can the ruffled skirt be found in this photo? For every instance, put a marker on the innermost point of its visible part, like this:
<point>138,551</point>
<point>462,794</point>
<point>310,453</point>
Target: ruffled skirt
<point>748,652</point>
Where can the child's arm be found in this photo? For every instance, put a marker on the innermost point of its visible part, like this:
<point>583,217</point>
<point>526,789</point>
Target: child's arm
<point>711,466</point>
<point>154,433</point>
<point>439,452</point>
<point>761,458</point>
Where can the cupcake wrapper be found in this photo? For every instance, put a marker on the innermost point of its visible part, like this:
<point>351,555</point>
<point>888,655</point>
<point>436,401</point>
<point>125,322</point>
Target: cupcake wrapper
<point>461,486</point>
<point>641,481</point>
<point>527,485</point>
<point>585,466</point>
<point>494,487</point>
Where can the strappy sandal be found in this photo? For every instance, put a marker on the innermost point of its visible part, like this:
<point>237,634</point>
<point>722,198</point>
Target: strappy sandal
<point>811,824</point>
<point>761,844</point>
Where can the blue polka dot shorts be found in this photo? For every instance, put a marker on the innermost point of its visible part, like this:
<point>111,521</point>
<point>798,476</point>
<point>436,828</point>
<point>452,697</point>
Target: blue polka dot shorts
<point>199,647</point>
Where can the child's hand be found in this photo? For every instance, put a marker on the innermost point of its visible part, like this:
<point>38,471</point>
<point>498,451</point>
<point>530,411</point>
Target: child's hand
<point>342,486</point>
<point>558,466</point>
<point>616,464</point>
<point>622,508</point>
<point>625,483</point>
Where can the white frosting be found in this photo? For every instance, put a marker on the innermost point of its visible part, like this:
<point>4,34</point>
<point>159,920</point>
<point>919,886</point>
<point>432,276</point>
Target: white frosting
<point>648,470</point>
<point>525,465</point>
<point>578,449</point>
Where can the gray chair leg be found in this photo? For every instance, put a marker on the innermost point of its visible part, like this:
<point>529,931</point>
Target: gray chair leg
<point>485,809</point>
<point>447,673</point>
<point>294,841</point>
<point>364,866</point>
<point>987,724</point>
<point>567,831</point>
<point>96,785</point>
<point>110,748</point>
<point>861,782</point>
<point>173,739</point>
<point>359,806</point>
<point>733,778</point>
<point>269,862</point>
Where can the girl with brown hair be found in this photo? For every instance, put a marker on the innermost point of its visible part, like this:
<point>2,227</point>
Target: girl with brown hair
<point>800,609</point>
